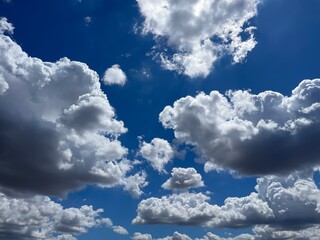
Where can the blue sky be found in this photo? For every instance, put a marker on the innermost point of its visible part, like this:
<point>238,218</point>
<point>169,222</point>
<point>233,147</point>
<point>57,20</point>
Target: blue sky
<point>194,119</point>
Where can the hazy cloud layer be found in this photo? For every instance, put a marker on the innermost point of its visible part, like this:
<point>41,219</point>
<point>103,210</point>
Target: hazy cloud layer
<point>58,131</point>
<point>183,179</point>
<point>199,32</point>
<point>114,76</point>
<point>267,133</point>
<point>158,152</point>
<point>285,203</point>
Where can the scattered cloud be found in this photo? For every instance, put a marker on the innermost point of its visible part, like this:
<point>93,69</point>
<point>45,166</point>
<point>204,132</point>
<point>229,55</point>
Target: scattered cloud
<point>179,209</point>
<point>87,20</point>
<point>183,179</point>
<point>38,217</point>
<point>251,134</point>
<point>58,131</point>
<point>199,32</point>
<point>285,203</point>
<point>176,236</point>
<point>117,229</point>
<point>114,76</point>
<point>158,152</point>
<point>141,236</point>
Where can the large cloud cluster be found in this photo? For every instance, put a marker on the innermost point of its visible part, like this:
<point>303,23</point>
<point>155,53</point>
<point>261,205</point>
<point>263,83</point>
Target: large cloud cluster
<point>253,134</point>
<point>200,32</point>
<point>286,204</point>
<point>58,131</point>
<point>39,217</point>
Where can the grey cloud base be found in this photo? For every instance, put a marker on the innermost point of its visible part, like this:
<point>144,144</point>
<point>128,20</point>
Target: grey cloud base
<point>251,134</point>
<point>58,131</point>
<point>283,203</point>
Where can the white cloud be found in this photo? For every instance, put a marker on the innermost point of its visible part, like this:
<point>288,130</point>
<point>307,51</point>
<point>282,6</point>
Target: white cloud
<point>211,236</point>
<point>182,209</point>
<point>133,184</point>
<point>286,203</point>
<point>87,20</point>
<point>114,76</point>
<point>5,26</point>
<point>39,217</point>
<point>58,131</point>
<point>183,179</point>
<point>141,236</point>
<point>199,32</point>
<point>176,236</point>
<point>158,152</point>
<point>251,134</point>
<point>117,229</point>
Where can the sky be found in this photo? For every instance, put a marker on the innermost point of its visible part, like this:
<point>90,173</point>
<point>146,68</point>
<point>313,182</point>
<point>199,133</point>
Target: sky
<point>159,120</point>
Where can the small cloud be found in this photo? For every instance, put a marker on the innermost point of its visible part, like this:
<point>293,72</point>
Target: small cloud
<point>183,179</point>
<point>114,76</point>
<point>87,20</point>
<point>159,152</point>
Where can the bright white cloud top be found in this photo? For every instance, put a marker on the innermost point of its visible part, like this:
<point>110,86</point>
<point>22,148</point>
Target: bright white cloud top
<point>200,32</point>
<point>114,76</point>
<point>251,134</point>
<point>183,179</point>
<point>158,152</point>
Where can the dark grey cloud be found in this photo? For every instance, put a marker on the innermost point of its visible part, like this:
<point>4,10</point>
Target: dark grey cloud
<point>251,134</point>
<point>58,131</point>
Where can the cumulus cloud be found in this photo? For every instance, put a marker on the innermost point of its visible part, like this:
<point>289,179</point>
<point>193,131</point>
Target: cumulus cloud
<point>199,32</point>
<point>183,179</point>
<point>182,209</point>
<point>252,134</point>
<point>114,76</point>
<point>284,203</point>
<point>141,236</point>
<point>39,217</point>
<point>58,131</point>
<point>158,152</point>
<point>117,229</point>
<point>209,236</point>
<point>176,236</point>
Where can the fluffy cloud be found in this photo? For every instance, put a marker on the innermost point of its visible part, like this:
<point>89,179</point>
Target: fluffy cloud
<point>141,236</point>
<point>176,236</point>
<point>211,236</point>
<point>114,76</point>
<point>199,32</point>
<point>290,203</point>
<point>58,131</point>
<point>183,179</point>
<point>158,152</point>
<point>117,229</point>
<point>253,134</point>
<point>182,209</point>
<point>39,217</point>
